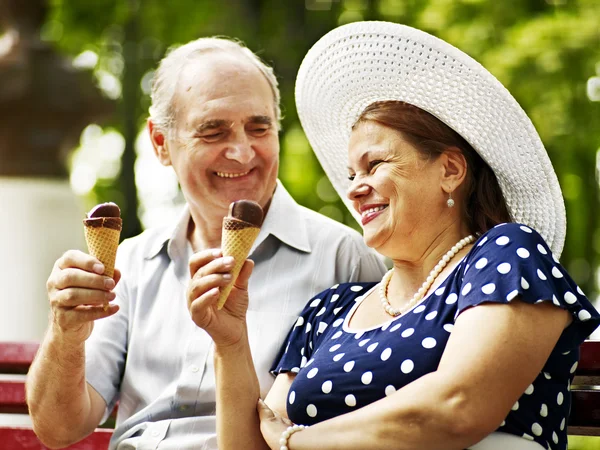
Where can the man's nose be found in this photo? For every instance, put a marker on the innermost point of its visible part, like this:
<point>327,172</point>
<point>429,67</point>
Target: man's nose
<point>240,150</point>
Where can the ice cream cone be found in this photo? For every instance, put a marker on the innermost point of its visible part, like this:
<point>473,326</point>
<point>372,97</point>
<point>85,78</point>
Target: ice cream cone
<point>237,239</point>
<point>102,243</point>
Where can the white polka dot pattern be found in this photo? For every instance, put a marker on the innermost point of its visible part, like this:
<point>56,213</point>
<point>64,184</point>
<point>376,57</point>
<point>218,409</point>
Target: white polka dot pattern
<point>407,333</point>
<point>385,355</point>
<point>407,366</point>
<point>350,400</point>
<point>348,368</point>
<point>366,378</point>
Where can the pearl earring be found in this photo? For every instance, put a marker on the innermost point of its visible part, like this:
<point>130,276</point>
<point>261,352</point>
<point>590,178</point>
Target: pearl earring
<point>450,202</point>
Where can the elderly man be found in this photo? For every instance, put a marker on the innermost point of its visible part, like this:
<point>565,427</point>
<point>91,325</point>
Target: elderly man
<point>214,119</point>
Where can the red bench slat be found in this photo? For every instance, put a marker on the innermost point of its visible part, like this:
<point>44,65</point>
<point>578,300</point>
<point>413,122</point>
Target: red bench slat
<point>15,357</point>
<point>585,408</point>
<point>12,397</point>
<point>24,438</point>
<point>589,360</point>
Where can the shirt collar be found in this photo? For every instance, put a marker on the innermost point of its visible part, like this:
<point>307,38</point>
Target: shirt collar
<point>174,238</point>
<point>283,220</point>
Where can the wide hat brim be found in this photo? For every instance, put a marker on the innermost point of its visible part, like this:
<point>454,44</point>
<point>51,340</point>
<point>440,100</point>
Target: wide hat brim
<point>360,63</point>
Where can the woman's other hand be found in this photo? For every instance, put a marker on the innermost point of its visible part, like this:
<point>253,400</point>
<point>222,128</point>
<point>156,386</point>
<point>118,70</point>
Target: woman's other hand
<point>210,272</point>
<point>272,425</point>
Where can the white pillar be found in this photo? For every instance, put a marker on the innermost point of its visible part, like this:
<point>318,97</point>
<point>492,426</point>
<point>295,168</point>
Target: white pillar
<point>39,220</point>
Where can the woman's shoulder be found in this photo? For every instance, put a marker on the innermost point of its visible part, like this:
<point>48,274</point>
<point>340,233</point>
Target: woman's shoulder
<point>345,292</point>
<point>512,238</point>
<point>504,233</point>
<point>332,300</point>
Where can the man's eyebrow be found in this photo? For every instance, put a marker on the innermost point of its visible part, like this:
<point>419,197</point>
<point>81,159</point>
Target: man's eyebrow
<point>212,124</point>
<point>264,120</point>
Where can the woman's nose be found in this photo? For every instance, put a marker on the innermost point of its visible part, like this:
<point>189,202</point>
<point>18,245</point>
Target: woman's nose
<point>357,189</point>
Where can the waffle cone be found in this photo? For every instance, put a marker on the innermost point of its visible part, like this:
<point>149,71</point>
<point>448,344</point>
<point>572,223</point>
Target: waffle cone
<point>102,243</point>
<point>237,240</point>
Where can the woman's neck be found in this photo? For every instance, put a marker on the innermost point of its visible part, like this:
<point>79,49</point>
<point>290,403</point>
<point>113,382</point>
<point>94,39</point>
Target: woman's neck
<point>410,273</point>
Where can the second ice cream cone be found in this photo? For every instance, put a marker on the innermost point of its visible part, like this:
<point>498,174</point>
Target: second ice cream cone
<point>238,237</point>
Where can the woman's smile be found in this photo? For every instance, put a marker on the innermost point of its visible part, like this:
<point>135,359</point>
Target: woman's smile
<point>371,212</point>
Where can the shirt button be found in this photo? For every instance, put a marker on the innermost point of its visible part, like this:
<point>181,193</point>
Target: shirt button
<point>155,433</point>
<point>194,368</point>
<point>183,407</point>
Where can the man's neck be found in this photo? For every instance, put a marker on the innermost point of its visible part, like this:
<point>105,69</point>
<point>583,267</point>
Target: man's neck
<point>204,232</point>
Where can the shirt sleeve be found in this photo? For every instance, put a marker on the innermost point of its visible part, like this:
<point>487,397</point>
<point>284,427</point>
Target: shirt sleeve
<point>106,348</point>
<point>303,337</point>
<point>359,263</point>
<point>511,261</point>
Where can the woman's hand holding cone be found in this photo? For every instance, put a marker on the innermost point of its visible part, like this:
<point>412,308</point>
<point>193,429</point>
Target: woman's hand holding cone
<point>211,272</point>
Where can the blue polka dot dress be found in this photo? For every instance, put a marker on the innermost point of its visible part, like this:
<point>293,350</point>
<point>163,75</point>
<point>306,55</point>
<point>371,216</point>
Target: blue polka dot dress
<point>340,370</point>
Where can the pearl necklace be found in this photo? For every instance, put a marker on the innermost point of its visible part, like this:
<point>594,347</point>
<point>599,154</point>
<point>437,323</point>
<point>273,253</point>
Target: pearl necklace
<point>385,281</point>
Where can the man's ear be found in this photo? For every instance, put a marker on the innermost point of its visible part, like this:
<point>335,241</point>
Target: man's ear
<point>159,143</point>
<point>454,169</point>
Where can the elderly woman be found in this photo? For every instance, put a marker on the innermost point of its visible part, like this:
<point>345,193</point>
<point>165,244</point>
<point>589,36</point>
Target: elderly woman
<point>471,339</point>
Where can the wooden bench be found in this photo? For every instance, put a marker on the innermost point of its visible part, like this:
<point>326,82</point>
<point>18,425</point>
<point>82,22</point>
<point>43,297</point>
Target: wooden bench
<point>15,425</point>
<point>15,359</point>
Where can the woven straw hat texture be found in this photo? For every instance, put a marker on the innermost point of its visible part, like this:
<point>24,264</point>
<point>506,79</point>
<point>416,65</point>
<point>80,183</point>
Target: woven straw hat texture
<point>360,63</point>
<point>102,243</point>
<point>236,241</point>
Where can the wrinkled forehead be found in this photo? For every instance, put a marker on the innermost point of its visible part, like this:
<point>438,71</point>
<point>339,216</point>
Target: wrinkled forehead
<point>217,76</point>
<point>370,141</point>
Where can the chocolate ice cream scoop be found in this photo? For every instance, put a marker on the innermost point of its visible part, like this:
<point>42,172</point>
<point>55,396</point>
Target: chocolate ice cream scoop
<point>106,215</point>
<point>248,211</point>
<point>105,210</point>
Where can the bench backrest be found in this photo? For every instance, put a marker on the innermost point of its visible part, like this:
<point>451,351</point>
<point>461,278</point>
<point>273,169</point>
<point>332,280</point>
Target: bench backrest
<point>15,359</point>
<point>585,390</point>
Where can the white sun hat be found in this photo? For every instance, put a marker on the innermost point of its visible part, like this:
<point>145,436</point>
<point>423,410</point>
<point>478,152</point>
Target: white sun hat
<point>364,62</point>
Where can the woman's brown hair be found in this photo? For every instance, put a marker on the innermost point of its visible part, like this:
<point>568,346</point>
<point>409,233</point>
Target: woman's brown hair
<point>485,206</point>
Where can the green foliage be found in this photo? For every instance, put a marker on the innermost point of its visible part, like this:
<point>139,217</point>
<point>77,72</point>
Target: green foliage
<point>544,52</point>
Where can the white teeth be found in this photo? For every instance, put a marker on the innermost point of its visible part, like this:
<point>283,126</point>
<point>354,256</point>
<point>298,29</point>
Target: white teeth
<point>372,210</point>
<point>231,175</point>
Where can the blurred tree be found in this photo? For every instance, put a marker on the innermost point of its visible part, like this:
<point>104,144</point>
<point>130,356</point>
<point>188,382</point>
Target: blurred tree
<point>544,52</point>
<point>46,101</point>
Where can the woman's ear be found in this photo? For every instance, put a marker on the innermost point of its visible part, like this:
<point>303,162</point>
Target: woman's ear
<point>159,143</point>
<point>454,169</point>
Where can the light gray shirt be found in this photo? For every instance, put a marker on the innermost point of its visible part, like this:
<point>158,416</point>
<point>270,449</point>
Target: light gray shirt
<point>153,359</point>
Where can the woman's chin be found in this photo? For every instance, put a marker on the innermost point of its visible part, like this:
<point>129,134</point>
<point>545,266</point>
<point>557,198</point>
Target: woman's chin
<point>375,240</point>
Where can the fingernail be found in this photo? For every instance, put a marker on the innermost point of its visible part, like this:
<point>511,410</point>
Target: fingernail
<point>99,268</point>
<point>216,253</point>
<point>228,260</point>
<point>227,276</point>
<point>109,295</point>
<point>109,283</point>
<point>214,291</point>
